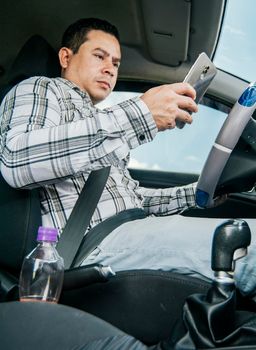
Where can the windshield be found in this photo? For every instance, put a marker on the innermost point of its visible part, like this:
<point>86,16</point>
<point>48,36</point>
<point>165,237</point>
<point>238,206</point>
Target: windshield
<point>237,44</point>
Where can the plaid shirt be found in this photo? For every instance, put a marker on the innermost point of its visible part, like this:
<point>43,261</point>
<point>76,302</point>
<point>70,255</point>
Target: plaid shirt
<point>52,136</point>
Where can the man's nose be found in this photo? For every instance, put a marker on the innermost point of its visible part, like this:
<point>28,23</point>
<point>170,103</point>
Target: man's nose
<point>109,68</point>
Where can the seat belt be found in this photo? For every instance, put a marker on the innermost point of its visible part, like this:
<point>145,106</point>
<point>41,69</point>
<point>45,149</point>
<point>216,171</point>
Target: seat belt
<point>96,235</point>
<point>81,215</point>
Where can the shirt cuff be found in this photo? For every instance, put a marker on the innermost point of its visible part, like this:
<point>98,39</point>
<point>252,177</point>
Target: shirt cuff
<point>190,195</point>
<point>136,120</point>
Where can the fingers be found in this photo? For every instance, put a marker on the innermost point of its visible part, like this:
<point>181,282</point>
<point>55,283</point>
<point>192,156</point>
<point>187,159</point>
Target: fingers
<point>187,103</point>
<point>183,89</point>
<point>171,102</point>
<point>184,116</point>
<point>169,121</point>
<point>220,199</point>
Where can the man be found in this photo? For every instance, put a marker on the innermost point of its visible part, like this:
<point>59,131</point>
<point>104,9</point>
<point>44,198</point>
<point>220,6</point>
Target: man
<point>53,136</point>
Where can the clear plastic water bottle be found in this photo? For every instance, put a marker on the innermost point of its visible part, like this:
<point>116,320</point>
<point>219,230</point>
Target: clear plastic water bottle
<point>42,272</point>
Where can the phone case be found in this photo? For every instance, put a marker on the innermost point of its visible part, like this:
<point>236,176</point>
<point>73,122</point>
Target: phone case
<point>200,77</point>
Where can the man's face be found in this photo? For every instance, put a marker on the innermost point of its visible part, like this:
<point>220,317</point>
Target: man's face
<point>94,67</point>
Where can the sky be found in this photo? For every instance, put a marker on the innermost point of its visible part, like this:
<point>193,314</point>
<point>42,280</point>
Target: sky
<point>236,51</point>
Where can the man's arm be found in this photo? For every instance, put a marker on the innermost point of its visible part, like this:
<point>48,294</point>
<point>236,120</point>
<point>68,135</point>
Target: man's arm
<point>167,201</point>
<point>172,200</point>
<point>38,146</point>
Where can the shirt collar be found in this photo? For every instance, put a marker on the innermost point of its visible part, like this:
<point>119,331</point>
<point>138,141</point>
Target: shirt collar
<point>73,86</point>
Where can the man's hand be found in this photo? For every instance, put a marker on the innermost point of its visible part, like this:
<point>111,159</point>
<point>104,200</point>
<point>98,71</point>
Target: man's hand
<point>169,103</point>
<point>219,200</point>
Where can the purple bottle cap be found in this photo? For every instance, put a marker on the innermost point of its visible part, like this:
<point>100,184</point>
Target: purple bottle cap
<point>47,234</point>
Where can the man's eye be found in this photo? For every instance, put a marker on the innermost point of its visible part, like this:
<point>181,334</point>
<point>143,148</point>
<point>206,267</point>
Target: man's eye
<point>99,56</point>
<point>116,65</point>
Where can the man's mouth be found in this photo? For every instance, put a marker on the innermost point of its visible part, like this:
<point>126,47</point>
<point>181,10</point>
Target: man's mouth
<point>105,84</point>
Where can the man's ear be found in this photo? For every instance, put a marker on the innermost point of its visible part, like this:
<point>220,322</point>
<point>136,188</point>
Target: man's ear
<point>64,56</point>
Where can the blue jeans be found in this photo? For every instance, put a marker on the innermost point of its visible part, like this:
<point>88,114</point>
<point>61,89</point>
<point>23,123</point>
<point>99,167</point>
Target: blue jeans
<point>172,243</point>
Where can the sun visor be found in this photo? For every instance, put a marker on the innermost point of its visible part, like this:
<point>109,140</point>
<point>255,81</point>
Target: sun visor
<point>167,30</point>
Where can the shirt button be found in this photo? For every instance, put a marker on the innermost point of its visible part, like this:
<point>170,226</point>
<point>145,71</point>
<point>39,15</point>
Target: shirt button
<point>142,137</point>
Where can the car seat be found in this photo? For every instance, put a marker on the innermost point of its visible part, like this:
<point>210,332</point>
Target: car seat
<point>35,58</point>
<point>146,304</point>
<point>20,209</point>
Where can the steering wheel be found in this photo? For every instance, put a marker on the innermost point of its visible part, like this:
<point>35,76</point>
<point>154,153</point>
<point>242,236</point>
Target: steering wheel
<point>224,144</point>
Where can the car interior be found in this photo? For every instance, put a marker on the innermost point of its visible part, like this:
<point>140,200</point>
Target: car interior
<point>144,303</point>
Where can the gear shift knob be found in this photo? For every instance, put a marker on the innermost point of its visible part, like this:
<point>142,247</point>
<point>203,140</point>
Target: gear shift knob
<point>230,242</point>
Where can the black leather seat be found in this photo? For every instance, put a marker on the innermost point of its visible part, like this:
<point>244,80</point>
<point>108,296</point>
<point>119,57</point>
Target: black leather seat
<point>20,217</point>
<point>35,58</point>
<point>20,209</point>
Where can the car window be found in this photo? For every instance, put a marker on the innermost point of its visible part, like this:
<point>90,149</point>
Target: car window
<point>236,47</point>
<point>177,150</point>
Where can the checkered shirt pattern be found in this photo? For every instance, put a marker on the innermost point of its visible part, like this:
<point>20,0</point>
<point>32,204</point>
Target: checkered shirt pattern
<point>52,136</point>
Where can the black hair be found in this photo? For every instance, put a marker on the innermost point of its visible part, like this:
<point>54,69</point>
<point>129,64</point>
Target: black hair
<point>76,34</point>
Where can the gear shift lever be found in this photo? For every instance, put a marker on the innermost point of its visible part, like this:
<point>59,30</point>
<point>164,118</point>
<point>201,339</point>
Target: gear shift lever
<point>217,319</point>
<point>230,242</point>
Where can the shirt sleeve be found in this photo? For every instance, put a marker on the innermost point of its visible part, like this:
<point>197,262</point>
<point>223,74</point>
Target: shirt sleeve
<point>166,201</point>
<point>40,144</point>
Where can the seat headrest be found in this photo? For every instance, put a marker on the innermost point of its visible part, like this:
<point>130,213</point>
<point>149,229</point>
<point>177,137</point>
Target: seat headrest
<point>36,57</point>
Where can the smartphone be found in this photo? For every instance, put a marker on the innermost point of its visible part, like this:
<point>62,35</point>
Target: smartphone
<point>200,77</point>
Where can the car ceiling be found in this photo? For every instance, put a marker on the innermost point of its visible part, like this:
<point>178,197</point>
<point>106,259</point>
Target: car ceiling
<point>160,39</point>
